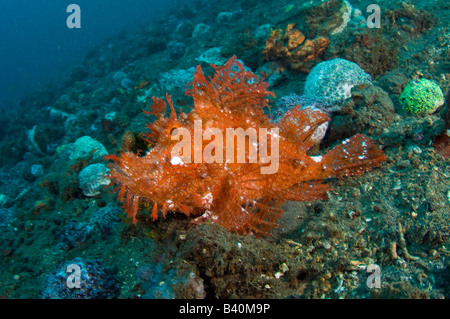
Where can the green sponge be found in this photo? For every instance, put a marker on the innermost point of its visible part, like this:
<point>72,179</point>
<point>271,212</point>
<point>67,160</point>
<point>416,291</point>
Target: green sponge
<point>421,97</point>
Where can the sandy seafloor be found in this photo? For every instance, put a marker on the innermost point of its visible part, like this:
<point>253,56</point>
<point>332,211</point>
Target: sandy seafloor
<point>394,219</point>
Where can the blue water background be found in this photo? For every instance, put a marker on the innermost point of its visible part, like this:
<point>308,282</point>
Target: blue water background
<point>37,46</point>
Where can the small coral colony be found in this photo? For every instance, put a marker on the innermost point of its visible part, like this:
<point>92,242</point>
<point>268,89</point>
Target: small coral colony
<point>225,183</point>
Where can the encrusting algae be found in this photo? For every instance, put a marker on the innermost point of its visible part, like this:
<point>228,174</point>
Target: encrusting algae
<point>293,48</point>
<point>235,191</point>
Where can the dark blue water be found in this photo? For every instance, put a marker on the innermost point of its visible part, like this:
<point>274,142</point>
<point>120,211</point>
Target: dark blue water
<point>37,46</point>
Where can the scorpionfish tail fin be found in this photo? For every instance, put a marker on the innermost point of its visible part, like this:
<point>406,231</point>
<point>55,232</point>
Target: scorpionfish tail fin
<point>354,156</point>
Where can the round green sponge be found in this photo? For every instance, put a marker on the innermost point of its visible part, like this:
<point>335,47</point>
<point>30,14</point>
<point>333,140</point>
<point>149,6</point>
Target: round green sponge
<point>421,97</point>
